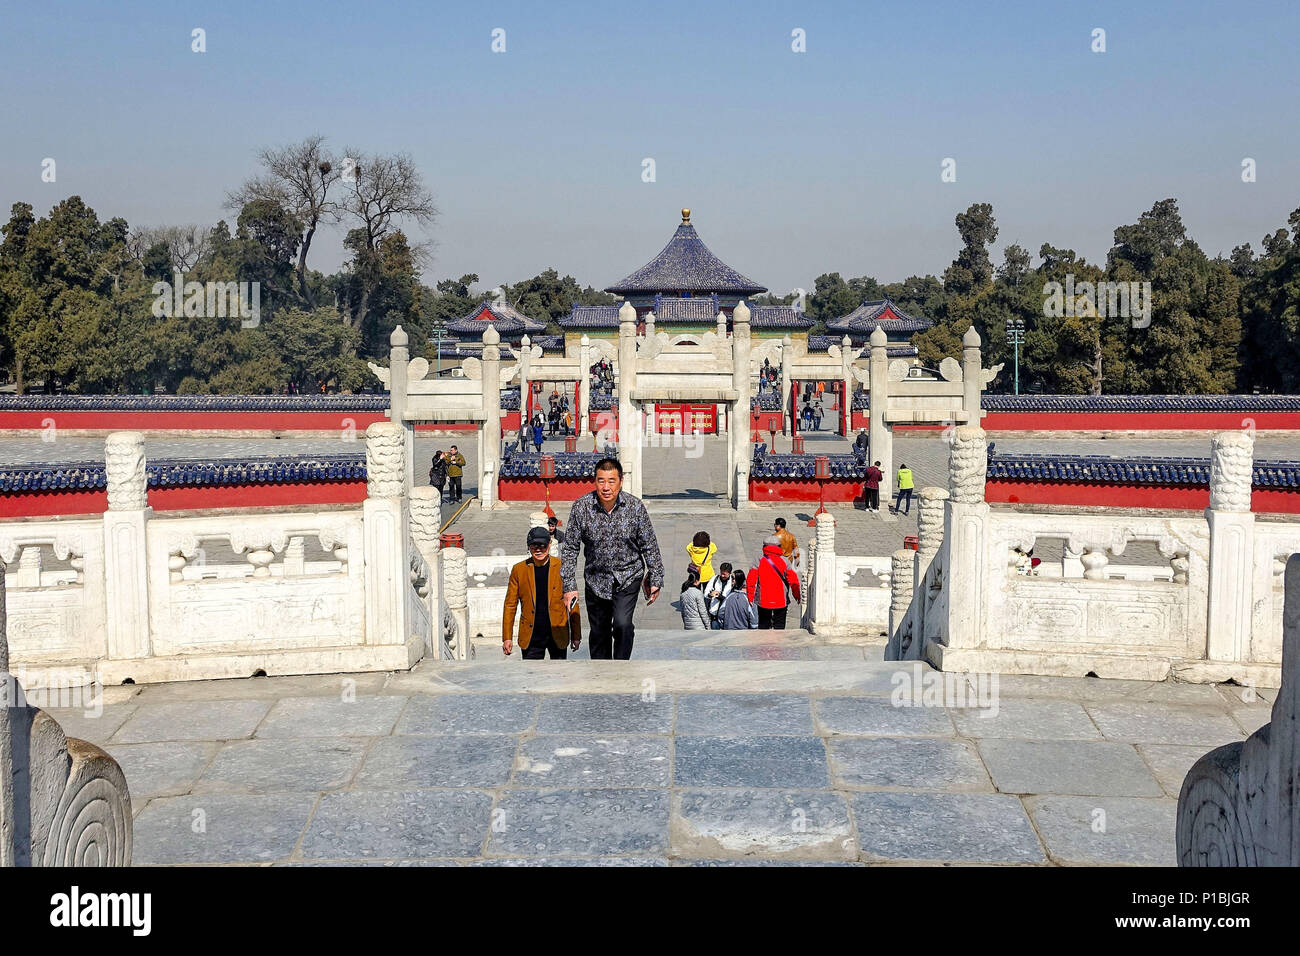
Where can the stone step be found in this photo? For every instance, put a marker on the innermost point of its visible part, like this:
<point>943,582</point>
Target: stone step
<point>789,644</point>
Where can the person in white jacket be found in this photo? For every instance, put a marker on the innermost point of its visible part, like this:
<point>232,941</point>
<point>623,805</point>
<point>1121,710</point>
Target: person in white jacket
<point>716,592</point>
<point>695,611</point>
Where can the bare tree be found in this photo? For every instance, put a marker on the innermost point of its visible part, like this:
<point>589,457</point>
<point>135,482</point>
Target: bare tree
<point>186,245</point>
<point>379,192</point>
<point>298,177</point>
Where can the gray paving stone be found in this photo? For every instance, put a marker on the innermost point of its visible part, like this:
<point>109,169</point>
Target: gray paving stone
<point>1148,722</point>
<point>743,714</point>
<point>944,827</point>
<point>161,769</point>
<point>580,823</point>
<point>790,763</point>
<point>605,714</point>
<point>906,763</point>
<point>725,653</point>
<point>220,828</point>
<point>1236,695</point>
<point>717,824</point>
<point>266,688</point>
<point>468,714</point>
<point>576,861</point>
<point>878,717</point>
<point>1174,692</point>
<point>658,653</point>
<point>1250,719</point>
<point>1068,766</point>
<point>1040,719</point>
<point>1171,762</point>
<point>1106,830</point>
<point>328,717</point>
<point>587,761</point>
<point>95,724</point>
<point>451,760</point>
<point>772,652</point>
<point>836,652</point>
<point>259,766</point>
<point>387,824</point>
<point>193,720</point>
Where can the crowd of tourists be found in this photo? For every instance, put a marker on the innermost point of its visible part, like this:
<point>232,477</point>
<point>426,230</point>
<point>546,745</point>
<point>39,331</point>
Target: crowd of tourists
<point>730,598</point>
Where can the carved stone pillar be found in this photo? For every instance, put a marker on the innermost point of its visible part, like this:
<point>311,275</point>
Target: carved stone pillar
<point>426,520</point>
<point>1232,547</point>
<point>125,567</point>
<point>846,389</point>
<point>880,435</point>
<point>387,544</point>
<point>740,432</point>
<point>398,384</point>
<point>903,632</point>
<point>966,571</point>
<point>787,359</point>
<point>584,376</point>
<point>455,586</point>
<point>824,588</point>
<point>489,446</point>
<point>629,420</point>
<point>971,376</point>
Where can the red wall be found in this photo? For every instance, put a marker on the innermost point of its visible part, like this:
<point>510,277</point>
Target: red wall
<point>220,421</point>
<point>806,490</point>
<point>1191,498</point>
<point>1114,421</point>
<point>182,498</point>
<point>534,489</point>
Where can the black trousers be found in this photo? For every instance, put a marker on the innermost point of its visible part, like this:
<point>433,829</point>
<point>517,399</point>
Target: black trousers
<point>771,618</point>
<point>611,623</point>
<point>904,495</point>
<point>454,491</point>
<point>873,499</point>
<point>539,645</point>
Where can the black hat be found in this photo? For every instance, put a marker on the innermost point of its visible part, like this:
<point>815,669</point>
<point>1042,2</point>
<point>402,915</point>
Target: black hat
<point>538,536</point>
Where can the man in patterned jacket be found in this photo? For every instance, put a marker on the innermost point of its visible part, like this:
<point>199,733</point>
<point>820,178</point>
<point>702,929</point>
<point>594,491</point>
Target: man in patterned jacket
<point>613,530</point>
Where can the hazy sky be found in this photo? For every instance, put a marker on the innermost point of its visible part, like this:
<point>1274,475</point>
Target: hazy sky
<point>793,164</point>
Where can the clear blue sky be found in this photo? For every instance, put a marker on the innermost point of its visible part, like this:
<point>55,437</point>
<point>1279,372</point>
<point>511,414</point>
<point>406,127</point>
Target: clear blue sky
<point>793,164</point>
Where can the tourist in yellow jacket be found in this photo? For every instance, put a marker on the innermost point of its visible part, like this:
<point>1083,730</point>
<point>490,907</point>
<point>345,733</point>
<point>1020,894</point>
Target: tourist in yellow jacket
<point>700,552</point>
<point>905,486</point>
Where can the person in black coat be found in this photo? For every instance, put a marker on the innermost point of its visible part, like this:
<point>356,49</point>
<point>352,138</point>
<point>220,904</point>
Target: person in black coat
<point>438,472</point>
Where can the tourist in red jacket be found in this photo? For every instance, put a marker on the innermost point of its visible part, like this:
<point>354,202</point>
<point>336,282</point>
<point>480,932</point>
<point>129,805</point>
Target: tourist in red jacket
<point>772,585</point>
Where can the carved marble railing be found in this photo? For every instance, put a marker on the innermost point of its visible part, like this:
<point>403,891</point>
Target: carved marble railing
<point>63,802</point>
<point>1211,612</point>
<point>844,596</point>
<point>131,596</point>
<point>1238,805</point>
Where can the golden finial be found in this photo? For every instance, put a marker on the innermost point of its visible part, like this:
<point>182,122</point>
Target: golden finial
<point>686,217</point>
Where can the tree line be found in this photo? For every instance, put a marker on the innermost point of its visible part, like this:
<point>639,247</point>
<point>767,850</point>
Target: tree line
<point>78,295</point>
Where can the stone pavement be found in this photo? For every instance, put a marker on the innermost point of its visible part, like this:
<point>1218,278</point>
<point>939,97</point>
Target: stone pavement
<point>662,760</point>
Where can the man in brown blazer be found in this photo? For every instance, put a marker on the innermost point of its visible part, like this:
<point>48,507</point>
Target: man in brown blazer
<point>536,588</point>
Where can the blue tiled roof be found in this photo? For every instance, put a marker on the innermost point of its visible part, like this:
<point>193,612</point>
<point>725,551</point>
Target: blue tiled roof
<point>1141,403</point>
<point>568,464</point>
<point>510,399</point>
<point>591,317</point>
<point>866,317</point>
<point>507,320</point>
<point>1131,471</point>
<point>686,265</point>
<point>797,467</point>
<point>778,317</point>
<point>601,401</point>
<point>195,403</point>
<point>768,401</point>
<point>162,472</point>
<point>673,309</point>
<point>820,343</point>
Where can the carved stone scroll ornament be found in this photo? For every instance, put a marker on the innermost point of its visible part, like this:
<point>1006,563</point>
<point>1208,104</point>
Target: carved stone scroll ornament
<point>1239,803</point>
<point>1232,459</point>
<point>385,464</point>
<point>63,802</point>
<point>967,464</point>
<point>125,471</point>
<point>950,369</point>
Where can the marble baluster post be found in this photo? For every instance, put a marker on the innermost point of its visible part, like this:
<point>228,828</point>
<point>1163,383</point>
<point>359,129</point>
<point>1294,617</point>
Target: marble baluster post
<point>880,435</point>
<point>8,708</point>
<point>525,360</point>
<point>126,578</point>
<point>386,532</point>
<point>489,446</point>
<point>846,390</point>
<point>426,521</point>
<point>931,505</point>
<point>629,420</point>
<point>901,588</point>
<point>966,573</point>
<point>584,376</point>
<point>740,430</point>
<point>787,360</point>
<point>721,407</point>
<point>398,389</point>
<point>971,376</point>
<point>1232,547</point>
